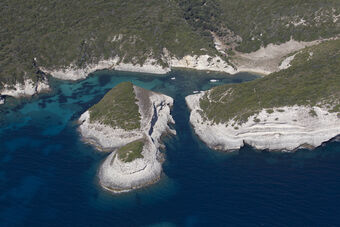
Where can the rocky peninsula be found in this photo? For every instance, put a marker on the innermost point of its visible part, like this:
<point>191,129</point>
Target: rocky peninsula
<point>25,89</point>
<point>284,128</point>
<point>296,107</point>
<point>130,121</point>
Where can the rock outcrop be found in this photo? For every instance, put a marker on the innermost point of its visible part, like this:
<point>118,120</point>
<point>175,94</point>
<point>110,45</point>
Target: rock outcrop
<point>116,174</point>
<point>26,89</point>
<point>286,128</point>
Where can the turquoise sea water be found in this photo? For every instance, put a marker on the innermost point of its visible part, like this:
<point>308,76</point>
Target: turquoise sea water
<point>48,176</point>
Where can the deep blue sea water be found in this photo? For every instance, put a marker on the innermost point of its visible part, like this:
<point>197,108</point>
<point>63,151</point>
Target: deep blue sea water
<point>48,176</point>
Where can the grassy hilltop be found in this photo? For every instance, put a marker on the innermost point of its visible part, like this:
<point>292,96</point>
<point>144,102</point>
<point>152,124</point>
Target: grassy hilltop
<point>313,79</point>
<point>131,151</point>
<point>118,108</point>
<point>62,32</point>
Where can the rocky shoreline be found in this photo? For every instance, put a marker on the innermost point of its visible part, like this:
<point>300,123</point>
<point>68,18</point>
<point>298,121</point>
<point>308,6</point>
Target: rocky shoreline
<point>118,176</point>
<point>286,129</point>
<point>73,72</point>
<point>263,61</point>
<point>27,89</point>
<point>202,62</point>
<point>115,174</point>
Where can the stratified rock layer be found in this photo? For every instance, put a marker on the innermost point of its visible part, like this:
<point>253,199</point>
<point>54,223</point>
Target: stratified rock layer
<point>287,128</point>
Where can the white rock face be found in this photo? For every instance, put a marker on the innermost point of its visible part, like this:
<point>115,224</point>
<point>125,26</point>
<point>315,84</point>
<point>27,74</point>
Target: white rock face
<point>104,136</point>
<point>263,61</point>
<point>74,73</point>
<point>285,64</point>
<point>28,88</point>
<point>287,130</point>
<point>267,59</point>
<point>203,62</point>
<point>119,176</point>
<point>149,66</point>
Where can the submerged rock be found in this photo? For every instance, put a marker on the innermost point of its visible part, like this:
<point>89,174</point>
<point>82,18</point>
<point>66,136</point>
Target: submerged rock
<point>130,120</point>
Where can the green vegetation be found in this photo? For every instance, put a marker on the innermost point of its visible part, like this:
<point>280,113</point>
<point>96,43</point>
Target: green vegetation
<point>313,113</point>
<point>131,151</point>
<point>62,32</point>
<point>256,120</point>
<point>260,22</point>
<point>270,111</point>
<point>79,32</point>
<point>118,108</point>
<point>312,80</point>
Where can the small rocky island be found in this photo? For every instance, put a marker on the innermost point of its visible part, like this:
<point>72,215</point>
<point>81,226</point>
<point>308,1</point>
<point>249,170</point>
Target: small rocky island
<point>130,121</point>
<point>295,107</point>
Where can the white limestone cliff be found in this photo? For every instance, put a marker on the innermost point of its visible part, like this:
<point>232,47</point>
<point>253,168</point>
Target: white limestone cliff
<point>117,175</point>
<point>73,72</point>
<point>287,128</point>
<point>202,62</point>
<point>28,88</point>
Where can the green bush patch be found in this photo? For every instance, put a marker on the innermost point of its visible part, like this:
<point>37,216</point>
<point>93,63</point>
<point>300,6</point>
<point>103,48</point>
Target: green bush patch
<point>131,151</point>
<point>308,82</point>
<point>62,32</point>
<point>313,113</point>
<point>118,108</point>
<point>270,111</point>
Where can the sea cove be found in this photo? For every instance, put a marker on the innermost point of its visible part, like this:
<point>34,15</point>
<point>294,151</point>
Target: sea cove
<point>49,175</point>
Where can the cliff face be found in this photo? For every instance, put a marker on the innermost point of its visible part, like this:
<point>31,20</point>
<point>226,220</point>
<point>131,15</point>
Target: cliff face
<point>119,176</point>
<point>28,88</point>
<point>286,128</point>
<point>155,36</point>
<point>144,165</point>
<point>298,105</point>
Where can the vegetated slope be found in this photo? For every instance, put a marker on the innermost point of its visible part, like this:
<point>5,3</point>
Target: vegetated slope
<point>255,23</point>
<point>62,32</point>
<point>131,151</point>
<point>118,108</point>
<point>313,79</point>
